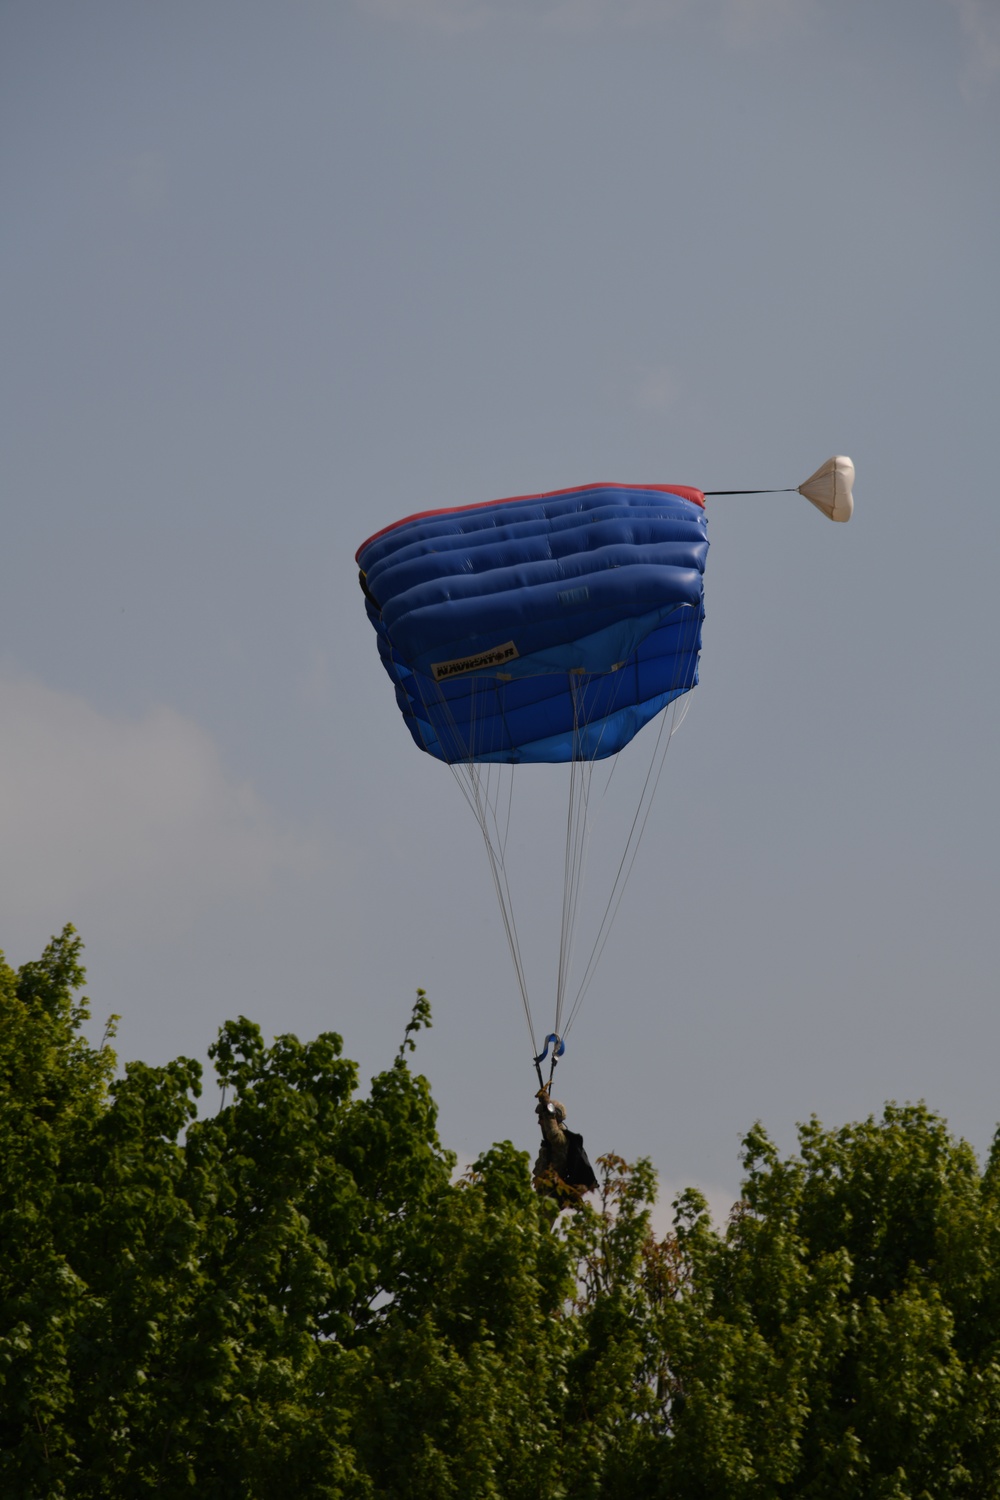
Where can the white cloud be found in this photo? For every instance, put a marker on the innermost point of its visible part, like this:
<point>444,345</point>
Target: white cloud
<point>122,825</point>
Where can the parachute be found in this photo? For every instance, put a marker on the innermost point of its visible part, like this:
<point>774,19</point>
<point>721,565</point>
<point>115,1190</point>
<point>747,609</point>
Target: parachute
<point>547,628</point>
<point>550,628</point>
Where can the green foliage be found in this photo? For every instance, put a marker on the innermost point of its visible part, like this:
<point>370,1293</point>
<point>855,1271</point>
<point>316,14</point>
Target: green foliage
<point>297,1296</point>
<point>841,1338</point>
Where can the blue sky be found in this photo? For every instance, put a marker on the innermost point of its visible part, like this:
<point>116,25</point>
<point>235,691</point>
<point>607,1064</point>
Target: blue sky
<point>277,275</point>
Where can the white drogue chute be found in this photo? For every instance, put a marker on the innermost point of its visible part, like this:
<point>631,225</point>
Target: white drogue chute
<point>829,489</point>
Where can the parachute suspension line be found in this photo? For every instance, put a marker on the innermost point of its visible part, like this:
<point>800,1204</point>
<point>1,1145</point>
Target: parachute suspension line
<point>678,710</point>
<point>578,824</point>
<point>474,782</point>
<point>682,712</point>
<point>510,805</point>
<point>625,864</point>
<point>576,841</point>
<point>501,885</point>
<point>611,772</point>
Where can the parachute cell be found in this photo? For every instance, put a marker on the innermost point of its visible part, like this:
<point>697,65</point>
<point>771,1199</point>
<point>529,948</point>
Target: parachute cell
<point>541,628</point>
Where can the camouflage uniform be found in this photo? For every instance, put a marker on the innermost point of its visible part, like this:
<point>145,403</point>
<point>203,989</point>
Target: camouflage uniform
<point>562,1171</point>
<point>553,1153</point>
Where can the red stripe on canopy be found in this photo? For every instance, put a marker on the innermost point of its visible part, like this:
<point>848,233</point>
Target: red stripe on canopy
<point>685,492</point>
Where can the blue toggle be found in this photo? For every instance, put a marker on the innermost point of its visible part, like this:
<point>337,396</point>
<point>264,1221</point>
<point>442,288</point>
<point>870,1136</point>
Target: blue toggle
<point>556,1052</point>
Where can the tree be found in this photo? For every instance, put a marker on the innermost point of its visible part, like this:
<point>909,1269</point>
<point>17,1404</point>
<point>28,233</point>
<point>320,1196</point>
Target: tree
<point>841,1337</point>
<point>251,1303</point>
<point>52,1098</point>
<point>295,1295</point>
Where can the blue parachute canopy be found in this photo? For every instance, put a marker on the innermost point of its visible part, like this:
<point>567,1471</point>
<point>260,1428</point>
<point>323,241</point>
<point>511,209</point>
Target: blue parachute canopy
<point>541,628</point>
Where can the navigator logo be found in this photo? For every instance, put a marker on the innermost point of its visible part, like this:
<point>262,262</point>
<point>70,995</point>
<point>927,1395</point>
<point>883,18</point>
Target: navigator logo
<point>481,662</point>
